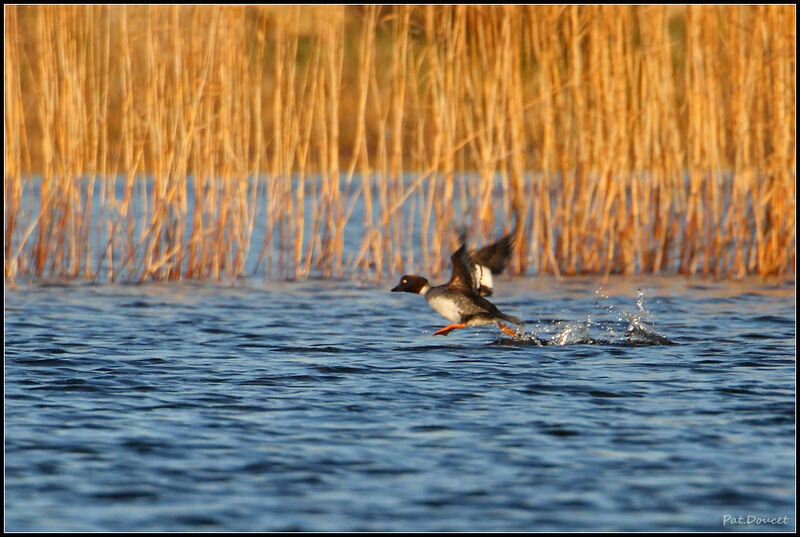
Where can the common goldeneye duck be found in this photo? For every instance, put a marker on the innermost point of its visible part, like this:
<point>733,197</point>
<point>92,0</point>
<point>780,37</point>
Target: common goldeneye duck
<point>461,300</point>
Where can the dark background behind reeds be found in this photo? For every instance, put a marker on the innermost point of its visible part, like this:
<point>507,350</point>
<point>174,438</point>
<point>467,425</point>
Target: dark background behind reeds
<point>629,139</point>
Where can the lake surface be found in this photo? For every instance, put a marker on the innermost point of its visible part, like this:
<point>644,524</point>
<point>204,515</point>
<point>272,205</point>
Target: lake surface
<point>644,404</point>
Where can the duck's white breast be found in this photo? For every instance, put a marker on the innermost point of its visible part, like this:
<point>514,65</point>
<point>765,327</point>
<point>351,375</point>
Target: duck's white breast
<point>445,307</point>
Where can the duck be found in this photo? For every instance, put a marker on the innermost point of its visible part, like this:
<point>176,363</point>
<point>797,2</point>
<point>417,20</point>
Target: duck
<point>462,300</point>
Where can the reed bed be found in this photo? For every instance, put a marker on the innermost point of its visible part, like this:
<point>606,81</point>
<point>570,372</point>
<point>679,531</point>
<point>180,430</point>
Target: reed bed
<point>169,142</point>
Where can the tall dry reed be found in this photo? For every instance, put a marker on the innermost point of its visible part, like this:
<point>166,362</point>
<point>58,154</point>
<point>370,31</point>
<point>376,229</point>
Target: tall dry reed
<point>157,142</point>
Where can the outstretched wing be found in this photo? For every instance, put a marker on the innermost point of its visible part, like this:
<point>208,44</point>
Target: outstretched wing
<point>472,271</point>
<point>463,279</point>
<point>495,256</point>
<point>492,259</point>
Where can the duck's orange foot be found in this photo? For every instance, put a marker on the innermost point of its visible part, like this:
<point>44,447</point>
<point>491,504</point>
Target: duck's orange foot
<point>447,329</point>
<point>507,330</point>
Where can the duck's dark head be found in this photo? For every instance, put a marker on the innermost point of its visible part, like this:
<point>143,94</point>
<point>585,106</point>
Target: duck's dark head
<point>410,284</point>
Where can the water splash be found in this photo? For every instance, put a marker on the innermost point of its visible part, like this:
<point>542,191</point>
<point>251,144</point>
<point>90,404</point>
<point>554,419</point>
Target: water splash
<point>572,333</point>
<point>640,326</point>
<point>631,327</point>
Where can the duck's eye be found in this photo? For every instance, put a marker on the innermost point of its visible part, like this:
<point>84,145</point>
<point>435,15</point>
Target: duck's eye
<point>405,281</point>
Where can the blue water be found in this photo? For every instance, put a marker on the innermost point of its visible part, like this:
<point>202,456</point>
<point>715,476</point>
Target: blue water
<point>642,404</point>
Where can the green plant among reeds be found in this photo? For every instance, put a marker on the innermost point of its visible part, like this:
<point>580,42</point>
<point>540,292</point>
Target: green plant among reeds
<point>170,142</point>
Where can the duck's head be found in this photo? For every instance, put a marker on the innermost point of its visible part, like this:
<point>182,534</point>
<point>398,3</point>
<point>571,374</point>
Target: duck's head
<point>411,284</point>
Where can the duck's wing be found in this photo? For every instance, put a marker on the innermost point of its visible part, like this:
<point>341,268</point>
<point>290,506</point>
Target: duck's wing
<point>492,259</point>
<point>495,256</point>
<point>463,277</point>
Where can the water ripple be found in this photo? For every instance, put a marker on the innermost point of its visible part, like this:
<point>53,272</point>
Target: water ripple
<point>200,407</point>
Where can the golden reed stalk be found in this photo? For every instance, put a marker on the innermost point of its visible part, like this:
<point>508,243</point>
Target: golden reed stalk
<point>156,142</point>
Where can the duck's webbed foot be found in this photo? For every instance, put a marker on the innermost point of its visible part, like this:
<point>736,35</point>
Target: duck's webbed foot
<point>449,328</point>
<point>506,329</point>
